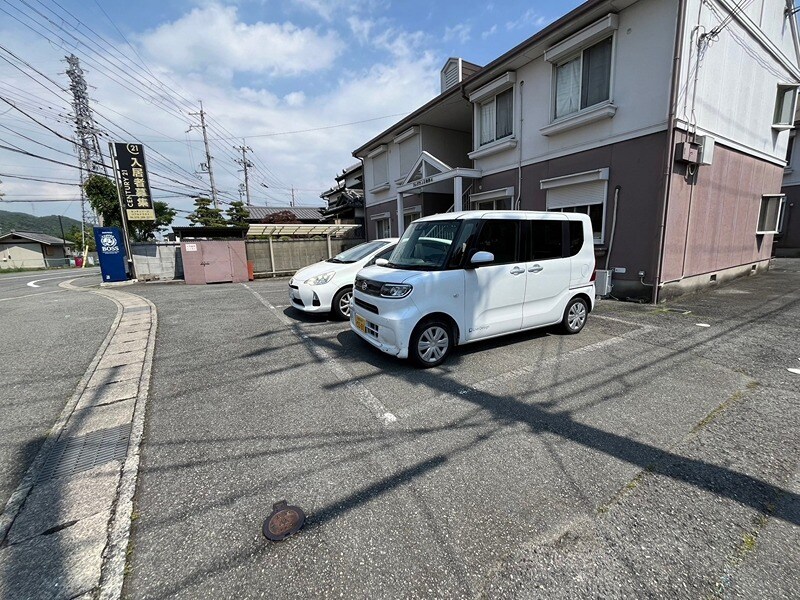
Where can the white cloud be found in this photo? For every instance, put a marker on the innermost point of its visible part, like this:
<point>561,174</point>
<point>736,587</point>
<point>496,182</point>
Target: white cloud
<point>461,32</point>
<point>211,39</point>
<point>529,20</point>
<point>489,32</point>
<point>361,28</point>
<point>295,99</point>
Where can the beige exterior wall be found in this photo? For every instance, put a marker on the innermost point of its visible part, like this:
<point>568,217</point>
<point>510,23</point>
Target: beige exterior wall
<point>18,256</point>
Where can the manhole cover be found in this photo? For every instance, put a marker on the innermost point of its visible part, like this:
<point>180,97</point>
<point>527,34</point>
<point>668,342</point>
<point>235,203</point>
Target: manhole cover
<point>283,522</point>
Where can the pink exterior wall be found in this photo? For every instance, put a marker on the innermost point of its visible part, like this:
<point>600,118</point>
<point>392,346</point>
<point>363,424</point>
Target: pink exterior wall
<point>712,218</point>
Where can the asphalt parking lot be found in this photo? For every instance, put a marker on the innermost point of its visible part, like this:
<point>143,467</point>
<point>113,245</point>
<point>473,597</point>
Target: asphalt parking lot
<point>647,456</point>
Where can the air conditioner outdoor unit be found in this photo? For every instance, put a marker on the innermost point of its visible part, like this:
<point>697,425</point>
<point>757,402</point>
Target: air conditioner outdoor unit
<point>602,283</point>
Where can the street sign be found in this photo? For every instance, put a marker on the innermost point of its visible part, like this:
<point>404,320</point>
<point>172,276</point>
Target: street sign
<point>131,171</point>
<point>111,252</point>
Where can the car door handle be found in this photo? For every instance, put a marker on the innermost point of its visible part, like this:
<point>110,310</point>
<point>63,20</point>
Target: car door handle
<point>536,269</point>
<point>517,271</point>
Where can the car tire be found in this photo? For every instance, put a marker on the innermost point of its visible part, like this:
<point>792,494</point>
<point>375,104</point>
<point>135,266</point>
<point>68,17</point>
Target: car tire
<point>430,343</point>
<point>575,315</point>
<point>340,306</point>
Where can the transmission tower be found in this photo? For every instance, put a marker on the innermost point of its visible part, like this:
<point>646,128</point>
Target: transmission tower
<point>86,145</point>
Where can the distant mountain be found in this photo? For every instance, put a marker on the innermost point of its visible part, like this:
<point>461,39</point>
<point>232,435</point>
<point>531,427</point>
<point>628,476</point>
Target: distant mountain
<point>24,222</point>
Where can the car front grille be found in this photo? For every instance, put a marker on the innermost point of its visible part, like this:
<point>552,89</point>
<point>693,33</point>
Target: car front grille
<point>367,286</point>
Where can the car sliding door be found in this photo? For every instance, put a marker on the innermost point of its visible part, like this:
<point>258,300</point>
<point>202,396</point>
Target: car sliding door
<point>547,270</point>
<point>494,292</point>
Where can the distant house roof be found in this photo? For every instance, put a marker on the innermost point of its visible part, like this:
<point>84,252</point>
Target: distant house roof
<point>258,213</point>
<point>42,238</point>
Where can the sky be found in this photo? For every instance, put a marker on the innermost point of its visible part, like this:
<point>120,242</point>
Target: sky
<point>303,83</point>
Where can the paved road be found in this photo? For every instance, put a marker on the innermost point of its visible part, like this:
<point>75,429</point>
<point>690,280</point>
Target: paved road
<point>647,456</point>
<point>49,336</point>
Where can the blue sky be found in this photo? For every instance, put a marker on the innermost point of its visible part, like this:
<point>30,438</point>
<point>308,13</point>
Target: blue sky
<point>280,74</point>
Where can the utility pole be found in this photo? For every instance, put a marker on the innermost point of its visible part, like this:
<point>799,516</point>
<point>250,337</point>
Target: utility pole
<point>207,164</point>
<point>245,164</point>
<point>87,145</point>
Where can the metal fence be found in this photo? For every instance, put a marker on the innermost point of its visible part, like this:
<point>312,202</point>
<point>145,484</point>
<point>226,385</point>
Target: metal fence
<point>284,257</point>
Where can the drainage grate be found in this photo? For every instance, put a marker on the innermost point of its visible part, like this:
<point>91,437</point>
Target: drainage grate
<point>84,452</point>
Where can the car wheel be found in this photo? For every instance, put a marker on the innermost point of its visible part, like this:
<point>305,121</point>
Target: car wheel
<point>340,307</point>
<point>575,316</point>
<point>430,343</point>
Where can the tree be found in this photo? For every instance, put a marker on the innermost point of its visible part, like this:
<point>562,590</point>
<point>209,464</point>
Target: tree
<point>238,214</point>
<point>205,215</point>
<point>103,198</point>
<point>74,236</point>
<point>283,216</point>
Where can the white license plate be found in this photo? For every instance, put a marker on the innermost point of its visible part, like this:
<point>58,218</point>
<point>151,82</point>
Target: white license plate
<point>361,323</point>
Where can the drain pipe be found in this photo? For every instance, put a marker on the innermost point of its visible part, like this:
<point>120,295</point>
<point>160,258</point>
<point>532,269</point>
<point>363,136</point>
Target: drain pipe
<point>673,100</point>
<point>519,144</point>
<point>613,225</point>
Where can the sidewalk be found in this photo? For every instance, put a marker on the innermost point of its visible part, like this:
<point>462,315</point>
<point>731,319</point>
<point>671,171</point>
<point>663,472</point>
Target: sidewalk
<point>64,531</point>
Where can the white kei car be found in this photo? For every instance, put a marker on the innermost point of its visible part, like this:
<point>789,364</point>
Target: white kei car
<point>327,286</point>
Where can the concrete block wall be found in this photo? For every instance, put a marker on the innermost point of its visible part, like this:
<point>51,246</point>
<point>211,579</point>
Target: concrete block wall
<point>291,255</point>
<point>157,260</point>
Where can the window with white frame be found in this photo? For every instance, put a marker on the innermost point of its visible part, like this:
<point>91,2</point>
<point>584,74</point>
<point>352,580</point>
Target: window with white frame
<point>496,117</point>
<point>785,104</point>
<point>790,149</point>
<point>383,228</point>
<point>496,204</point>
<point>581,193</point>
<point>583,80</point>
<point>769,215</point>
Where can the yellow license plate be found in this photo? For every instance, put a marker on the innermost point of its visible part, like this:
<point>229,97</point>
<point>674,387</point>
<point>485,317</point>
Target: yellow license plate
<point>361,323</point>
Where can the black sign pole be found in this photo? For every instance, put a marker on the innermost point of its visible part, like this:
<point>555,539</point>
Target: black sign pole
<point>122,214</point>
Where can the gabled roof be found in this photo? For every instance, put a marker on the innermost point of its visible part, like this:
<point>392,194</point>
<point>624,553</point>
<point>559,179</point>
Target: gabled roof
<point>42,238</point>
<point>302,214</point>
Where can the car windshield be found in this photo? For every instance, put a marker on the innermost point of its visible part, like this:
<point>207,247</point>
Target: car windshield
<point>357,252</point>
<point>424,245</point>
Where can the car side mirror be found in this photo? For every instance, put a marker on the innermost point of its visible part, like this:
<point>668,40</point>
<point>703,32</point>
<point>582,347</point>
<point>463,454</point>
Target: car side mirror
<point>481,258</point>
<point>381,262</point>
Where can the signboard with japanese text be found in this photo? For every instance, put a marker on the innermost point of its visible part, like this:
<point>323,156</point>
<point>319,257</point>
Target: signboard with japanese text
<point>131,172</point>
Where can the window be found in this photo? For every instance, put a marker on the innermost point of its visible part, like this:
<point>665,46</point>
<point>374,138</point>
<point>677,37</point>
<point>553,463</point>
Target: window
<point>496,117</point>
<point>383,228</point>
<point>500,238</point>
<point>595,212</point>
<point>785,105</point>
<point>769,215</point>
<point>583,193</point>
<point>409,217</point>
<point>496,204</point>
<point>584,80</point>
<point>790,148</point>
<point>546,240</point>
<point>575,237</point>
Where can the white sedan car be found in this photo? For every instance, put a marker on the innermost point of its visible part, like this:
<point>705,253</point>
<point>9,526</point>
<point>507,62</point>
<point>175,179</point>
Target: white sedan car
<point>327,286</point>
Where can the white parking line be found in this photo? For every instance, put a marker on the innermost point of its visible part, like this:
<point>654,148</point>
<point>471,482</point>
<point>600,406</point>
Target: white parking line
<point>355,386</point>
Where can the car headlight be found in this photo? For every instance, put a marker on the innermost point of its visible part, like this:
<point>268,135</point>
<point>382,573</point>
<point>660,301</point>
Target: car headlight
<point>321,279</point>
<point>395,290</point>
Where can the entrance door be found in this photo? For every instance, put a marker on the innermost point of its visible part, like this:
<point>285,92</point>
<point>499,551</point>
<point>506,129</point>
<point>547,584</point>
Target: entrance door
<point>494,293</point>
<point>548,271</point>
